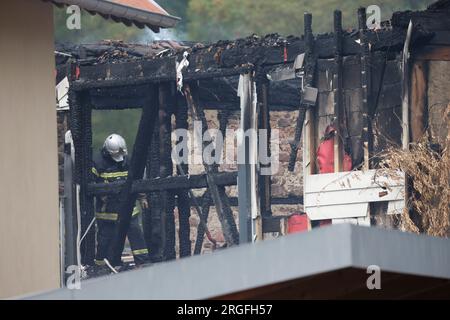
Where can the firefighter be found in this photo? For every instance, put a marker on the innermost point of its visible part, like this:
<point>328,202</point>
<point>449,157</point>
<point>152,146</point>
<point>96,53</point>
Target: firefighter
<point>111,164</point>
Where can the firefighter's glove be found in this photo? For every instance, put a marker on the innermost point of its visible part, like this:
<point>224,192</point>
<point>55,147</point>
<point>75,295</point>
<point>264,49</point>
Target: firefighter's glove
<point>143,201</point>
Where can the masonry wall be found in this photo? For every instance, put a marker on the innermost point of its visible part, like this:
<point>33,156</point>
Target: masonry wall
<point>29,223</point>
<point>284,183</point>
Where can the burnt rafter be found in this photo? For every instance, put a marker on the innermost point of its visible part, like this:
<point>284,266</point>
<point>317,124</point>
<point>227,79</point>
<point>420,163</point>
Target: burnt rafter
<point>310,66</point>
<point>228,58</point>
<point>168,183</point>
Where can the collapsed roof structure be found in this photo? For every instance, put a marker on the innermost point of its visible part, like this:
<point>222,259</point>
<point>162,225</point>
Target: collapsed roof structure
<point>370,84</point>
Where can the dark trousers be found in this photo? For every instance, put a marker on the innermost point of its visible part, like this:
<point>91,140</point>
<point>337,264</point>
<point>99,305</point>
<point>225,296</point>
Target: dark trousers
<point>105,235</point>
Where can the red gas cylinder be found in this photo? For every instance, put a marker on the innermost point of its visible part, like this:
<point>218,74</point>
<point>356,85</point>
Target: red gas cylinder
<point>325,154</point>
<point>298,223</point>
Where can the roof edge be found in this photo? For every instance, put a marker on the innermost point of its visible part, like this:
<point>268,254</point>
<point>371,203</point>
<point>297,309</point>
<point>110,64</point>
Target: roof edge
<point>119,10</point>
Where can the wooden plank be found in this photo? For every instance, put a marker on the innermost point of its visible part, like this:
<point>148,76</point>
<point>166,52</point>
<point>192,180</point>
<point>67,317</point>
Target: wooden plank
<point>361,221</point>
<point>337,211</point>
<point>352,180</point>
<point>419,99</point>
<point>405,88</point>
<point>196,181</point>
<point>366,87</point>
<point>136,171</point>
<point>250,225</point>
<point>342,197</point>
<point>338,93</point>
<point>218,194</point>
<point>264,123</point>
<point>309,71</point>
<point>347,194</point>
<point>433,53</point>
<point>309,145</point>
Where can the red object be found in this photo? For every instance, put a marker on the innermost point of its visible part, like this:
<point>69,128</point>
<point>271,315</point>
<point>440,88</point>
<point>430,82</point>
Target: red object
<point>285,54</point>
<point>145,5</point>
<point>77,72</point>
<point>325,154</point>
<point>298,223</point>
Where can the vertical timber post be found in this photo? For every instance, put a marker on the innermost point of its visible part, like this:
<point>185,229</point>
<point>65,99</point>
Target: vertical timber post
<point>155,224</point>
<point>366,76</point>
<point>136,171</point>
<point>264,123</point>
<point>166,170</point>
<point>218,194</point>
<point>250,222</point>
<point>82,134</point>
<point>405,88</point>
<point>338,95</point>
<point>183,203</point>
<point>309,145</point>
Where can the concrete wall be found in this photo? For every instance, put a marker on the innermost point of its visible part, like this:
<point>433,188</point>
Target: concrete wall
<point>29,236</point>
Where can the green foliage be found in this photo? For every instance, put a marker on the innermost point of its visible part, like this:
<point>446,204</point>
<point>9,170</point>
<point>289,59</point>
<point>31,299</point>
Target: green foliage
<point>177,8</point>
<point>123,122</point>
<point>228,19</point>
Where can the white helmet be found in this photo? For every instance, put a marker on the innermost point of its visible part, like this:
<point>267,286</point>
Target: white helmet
<point>116,147</point>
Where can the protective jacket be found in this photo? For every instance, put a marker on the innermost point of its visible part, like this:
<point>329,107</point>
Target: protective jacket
<point>106,170</point>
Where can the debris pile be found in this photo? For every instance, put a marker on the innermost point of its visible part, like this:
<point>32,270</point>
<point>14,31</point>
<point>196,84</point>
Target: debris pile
<point>116,51</point>
<point>428,167</point>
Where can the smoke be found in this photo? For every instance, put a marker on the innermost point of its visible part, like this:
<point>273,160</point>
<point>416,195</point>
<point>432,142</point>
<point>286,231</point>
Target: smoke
<point>164,34</point>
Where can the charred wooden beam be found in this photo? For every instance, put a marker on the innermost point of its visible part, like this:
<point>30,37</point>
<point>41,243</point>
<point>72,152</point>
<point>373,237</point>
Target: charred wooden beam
<point>136,171</point>
<point>264,124</point>
<point>310,65</point>
<point>206,205</point>
<point>155,228</point>
<point>275,201</point>
<point>167,200</point>
<point>133,79</point>
<point>221,60</point>
<point>430,19</point>
<point>433,53</point>
<point>184,209</point>
<point>82,135</point>
<point>173,183</point>
<point>207,201</point>
<point>366,76</point>
<point>338,93</point>
<point>217,193</point>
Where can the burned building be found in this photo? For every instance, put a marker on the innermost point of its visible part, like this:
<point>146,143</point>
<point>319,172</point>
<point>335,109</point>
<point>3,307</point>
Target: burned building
<point>373,88</point>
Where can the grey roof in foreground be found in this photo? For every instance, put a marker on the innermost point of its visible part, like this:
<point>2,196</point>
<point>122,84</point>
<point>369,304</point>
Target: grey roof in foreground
<point>290,257</point>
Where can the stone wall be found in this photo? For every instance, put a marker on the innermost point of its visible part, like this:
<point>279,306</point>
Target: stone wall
<point>284,183</point>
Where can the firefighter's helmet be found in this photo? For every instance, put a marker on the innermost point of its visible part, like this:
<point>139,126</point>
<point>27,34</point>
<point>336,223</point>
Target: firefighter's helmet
<point>116,147</point>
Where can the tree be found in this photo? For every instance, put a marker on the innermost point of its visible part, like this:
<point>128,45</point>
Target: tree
<point>213,20</point>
